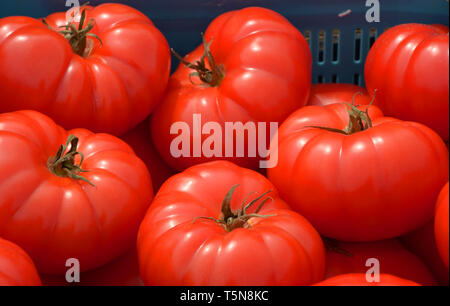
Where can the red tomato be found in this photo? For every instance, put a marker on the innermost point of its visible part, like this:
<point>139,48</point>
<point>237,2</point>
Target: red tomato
<point>441,224</point>
<point>16,267</point>
<point>262,74</point>
<point>440,27</point>
<point>140,140</point>
<point>358,280</point>
<point>373,183</point>
<point>422,243</point>
<point>394,259</point>
<point>48,205</point>
<point>176,247</point>
<point>408,65</point>
<point>110,89</point>
<point>123,271</point>
<point>330,93</point>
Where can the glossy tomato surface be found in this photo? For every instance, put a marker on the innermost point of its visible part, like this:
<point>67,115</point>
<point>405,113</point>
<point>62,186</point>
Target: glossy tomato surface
<point>266,64</point>
<point>140,140</point>
<point>110,90</point>
<point>408,66</point>
<point>331,93</point>
<point>375,184</point>
<point>359,280</point>
<point>392,256</point>
<point>55,218</point>
<point>441,224</point>
<point>176,247</point>
<point>16,267</point>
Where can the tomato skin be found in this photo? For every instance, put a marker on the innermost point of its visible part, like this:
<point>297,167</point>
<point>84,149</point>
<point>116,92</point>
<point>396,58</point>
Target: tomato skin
<point>331,93</point>
<point>16,267</point>
<point>92,224</point>
<point>441,223</point>
<point>359,280</point>
<point>422,242</point>
<point>376,184</point>
<point>283,249</point>
<point>141,141</point>
<point>267,66</point>
<point>393,257</point>
<point>408,65</point>
<point>112,90</point>
<point>440,27</point>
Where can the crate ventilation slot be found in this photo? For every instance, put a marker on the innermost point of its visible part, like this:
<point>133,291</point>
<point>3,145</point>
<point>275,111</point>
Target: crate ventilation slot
<point>336,43</point>
<point>322,44</point>
<point>358,45</point>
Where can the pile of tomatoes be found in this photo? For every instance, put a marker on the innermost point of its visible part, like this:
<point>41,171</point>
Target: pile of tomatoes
<point>358,194</point>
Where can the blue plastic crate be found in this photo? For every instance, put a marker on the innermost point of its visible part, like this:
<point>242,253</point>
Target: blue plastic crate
<point>339,45</point>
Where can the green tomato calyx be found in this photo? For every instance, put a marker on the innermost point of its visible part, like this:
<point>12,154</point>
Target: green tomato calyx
<point>63,164</point>
<point>78,36</point>
<point>358,120</point>
<point>211,77</point>
<point>239,219</point>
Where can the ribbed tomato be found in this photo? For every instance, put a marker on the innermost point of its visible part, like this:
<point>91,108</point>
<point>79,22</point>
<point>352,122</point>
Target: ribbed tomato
<point>108,84</point>
<point>331,93</point>
<point>375,181</point>
<point>441,224</point>
<point>198,232</point>
<point>16,267</point>
<point>358,280</point>
<point>408,66</point>
<point>57,205</point>
<point>258,70</point>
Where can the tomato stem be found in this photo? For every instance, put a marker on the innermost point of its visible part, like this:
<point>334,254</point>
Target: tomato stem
<point>358,120</point>
<point>211,77</point>
<point>77,37</point>
<point>63,164</point>
<point>232,220</point>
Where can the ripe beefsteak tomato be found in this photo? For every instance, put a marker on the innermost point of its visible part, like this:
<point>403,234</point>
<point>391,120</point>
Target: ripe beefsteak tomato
<point>191,235</point>
<point>408,66</point>
<point>359,280</point>
<point>68,194</point>
<point>441,224</point>
<point>358,176</point>
<point>331,93</point>
<point>16,267</point>
<point>393,258</point>
<point>258,70</point>
<point>105,84</point>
